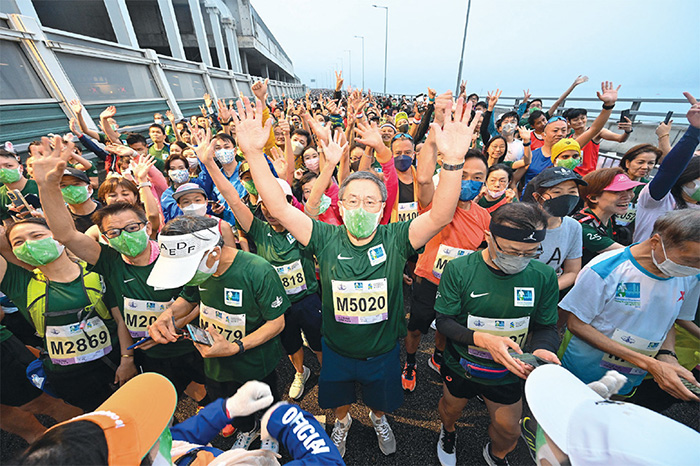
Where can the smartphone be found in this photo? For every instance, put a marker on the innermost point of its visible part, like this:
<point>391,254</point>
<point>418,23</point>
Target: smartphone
<point>199,335</point>
<point>21,206</point>
<point>625,114</point>
<point>693,388</point>
<point>669,115</point>
<point>531,359</point>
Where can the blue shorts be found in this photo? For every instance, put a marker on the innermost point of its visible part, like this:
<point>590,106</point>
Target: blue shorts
<point>379,377</point>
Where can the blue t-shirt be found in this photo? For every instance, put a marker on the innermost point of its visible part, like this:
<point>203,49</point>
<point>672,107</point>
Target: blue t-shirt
<point>539,163</point>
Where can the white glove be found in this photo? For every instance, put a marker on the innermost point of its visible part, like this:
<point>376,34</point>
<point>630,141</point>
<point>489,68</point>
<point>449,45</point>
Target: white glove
<point>250,398</point>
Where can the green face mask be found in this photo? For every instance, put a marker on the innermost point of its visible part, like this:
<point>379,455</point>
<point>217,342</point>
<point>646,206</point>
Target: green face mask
<point>75,194</point>
<point>250,187</point>
<point>361,223</point>
<point>39,252</point>
<point>325,204</point>
<point>569,163</point>
<point>130,244</point>
<point>9,175</point>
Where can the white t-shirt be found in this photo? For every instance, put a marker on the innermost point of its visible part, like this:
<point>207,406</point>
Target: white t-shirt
<point>626,303</point>
<point>561,243</point>
<point>648,210</point>
<point>516,150</point>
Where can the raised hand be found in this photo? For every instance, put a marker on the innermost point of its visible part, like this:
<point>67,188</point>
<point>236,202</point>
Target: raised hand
<point>664,129</point>
<point>338,80</point>
<point>252,134</point>
<point>279,161</point>
<point>626,125</point>
<point>525,134</point>
<point>76,106</point>
<point>203,109</point>
<point>332,107</point>
<point>694,112</point>
<point>526,95</point>
<point>170,116</point>
<point>493,99</point>
<point>224,113</point>
<point>323,133</point>
<point>441,102</point>
<point>119,150</point>
<point>284,126</point>
<point>205,153</point>
<point>432,93</point>
<point>455,136</point>
<point>49,163</point>
<point>140,165</point>
<point>462,87</point>
<point>260,89</point>
<point>108,112</point>
<point>75,129</point>
<point>334,150</point>
<point>580,80</point>
<point>199,137</point>
<point>207,100</point>
<point>609,94</point>
<point>369,135</point>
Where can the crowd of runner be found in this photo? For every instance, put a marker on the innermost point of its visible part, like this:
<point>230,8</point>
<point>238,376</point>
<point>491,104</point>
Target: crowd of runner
<point>275,225</point>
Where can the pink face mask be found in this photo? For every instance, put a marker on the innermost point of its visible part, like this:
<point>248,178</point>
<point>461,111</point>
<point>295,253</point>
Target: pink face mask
<point>311,164</point>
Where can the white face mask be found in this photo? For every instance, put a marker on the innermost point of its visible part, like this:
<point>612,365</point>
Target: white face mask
<point>297,147</point>
<point>508,127</point>
<point>225,155</point>
<point>198,210</point>
<point>496,194</point>
<point>670,268</point>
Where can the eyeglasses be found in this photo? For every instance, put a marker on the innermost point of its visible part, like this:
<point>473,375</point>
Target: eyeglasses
<point>519,254</point>
<point>354,202</point>
<point>402,136</point>
<point>130,228</point>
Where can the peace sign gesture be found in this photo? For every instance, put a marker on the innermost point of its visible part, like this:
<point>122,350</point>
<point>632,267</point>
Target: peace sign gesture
<point>493,97</point>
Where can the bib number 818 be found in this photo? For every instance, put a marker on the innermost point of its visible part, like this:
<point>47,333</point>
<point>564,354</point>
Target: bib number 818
<point>296,279</point>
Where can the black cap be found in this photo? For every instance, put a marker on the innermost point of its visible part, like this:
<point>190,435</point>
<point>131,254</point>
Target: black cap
<point>75,173</point>
<point>549,177</point>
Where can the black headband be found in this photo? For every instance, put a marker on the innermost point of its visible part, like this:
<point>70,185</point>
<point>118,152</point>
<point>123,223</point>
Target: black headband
<point>513,234</point>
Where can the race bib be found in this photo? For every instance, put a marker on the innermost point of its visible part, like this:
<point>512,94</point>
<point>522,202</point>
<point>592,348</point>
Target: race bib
<point>360,302</point>
<point>515,329</point>
<point>635,343</point>
<point>139,314</point>
<point>69,344</point>
<point>444,255</point>
<point>407,211</point>
<point>292,276</point>
<point>231,326</point>
<point>628,217</point>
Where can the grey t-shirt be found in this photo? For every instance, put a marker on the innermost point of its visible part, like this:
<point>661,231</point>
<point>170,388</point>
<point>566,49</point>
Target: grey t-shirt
<point>561,243</point>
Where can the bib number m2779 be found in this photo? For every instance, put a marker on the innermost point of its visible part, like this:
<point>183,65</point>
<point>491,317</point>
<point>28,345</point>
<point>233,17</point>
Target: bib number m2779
<point>231,326</point>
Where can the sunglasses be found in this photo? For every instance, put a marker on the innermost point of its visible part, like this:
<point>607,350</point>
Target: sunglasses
<point>402,136</point>
<point>556,118</point>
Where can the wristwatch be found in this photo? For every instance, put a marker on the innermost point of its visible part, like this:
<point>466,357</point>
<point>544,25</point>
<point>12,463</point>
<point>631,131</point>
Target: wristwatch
<point>448,167</point>
<point>661,352</point>
<point>241,348</point>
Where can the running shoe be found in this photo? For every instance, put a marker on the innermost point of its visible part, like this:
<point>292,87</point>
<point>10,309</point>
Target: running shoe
<point>433,364</point>
<point>432,325</point>
<point>528,431</point>
<point>408,377</point>
<point>228,431</point>
<point>270,444</point>
<point>385,436</point>
<point>297,387</point>
<point>492,460</point>
<point>245,439</point>
<point>446,447</point>
<point>340,434</point>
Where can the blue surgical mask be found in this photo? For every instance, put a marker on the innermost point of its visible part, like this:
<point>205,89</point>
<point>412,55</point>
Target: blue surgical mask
<point>403,162</point>
<point>470,189</point>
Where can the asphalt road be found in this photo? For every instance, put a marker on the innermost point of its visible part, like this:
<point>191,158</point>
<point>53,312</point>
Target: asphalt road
<point>416,424</point>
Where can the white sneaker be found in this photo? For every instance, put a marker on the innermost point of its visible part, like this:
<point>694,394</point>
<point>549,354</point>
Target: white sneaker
<point>297,387</point>
<point>446,447</point>
<point>244,439</point>
<point>270,444</point>
<point>432,325</point>
<point>385,436</point>
<point>340,434</point>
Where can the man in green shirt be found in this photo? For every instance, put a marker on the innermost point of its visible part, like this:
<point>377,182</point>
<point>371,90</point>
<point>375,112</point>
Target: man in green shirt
<point>241,303</point>
<point>361,266</point>
<point>487,303</point>
<point>12,179</point>
<point>158,148</point>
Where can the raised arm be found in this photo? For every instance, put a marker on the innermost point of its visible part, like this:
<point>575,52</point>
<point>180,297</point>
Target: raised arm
<point>251,139</point>
<point>77,108</point>
<point>663,133</point>
<point>107,113</point>
<point>140,167</point>
<point>579,80</point>
<point>525,136</point>
<point>425,168</point>
<point>48,171</point>
<point>609,97</point>
<point>334,152</point>
<point>453,140</point>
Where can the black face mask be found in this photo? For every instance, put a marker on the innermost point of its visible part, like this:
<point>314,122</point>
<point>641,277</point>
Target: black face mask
<point>402,128</point>
<point>561,206</point>
<point>354,166</point>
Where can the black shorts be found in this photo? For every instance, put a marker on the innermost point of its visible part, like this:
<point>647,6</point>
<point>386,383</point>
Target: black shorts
<point>180,370</point>
<point>217,390</point>
<point>303,315</point>
<point>460,387</point>
<point>15,388</point>
<point>422,305</point>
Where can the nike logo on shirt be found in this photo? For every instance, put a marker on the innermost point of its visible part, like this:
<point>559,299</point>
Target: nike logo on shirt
<point>477,295</point>
<point>340,257</point>
<point>129,280</point>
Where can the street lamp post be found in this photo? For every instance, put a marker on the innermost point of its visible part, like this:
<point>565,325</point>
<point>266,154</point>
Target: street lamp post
<point>349,66</point>
<point>363,59</point>
<point>386,39</point>
<point>464,45</point>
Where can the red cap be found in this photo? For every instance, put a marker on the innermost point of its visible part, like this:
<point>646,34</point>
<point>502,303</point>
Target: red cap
<point>621,182</point>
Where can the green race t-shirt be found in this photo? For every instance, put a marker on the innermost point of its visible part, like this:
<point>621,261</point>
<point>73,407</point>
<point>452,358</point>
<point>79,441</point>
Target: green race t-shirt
<point>594,240</point>
<point>139,303</point>
<point>30,190</point>
<point>159,154</point>
<point>62,340</point>
<point>504,305</point>
<point>237,303</point>
<point>294,264</point>
<point>363,313</point>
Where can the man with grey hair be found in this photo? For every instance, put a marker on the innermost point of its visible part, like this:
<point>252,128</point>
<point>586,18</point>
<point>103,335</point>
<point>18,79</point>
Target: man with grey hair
<point>241,304</point>
<point>625,302</point>
<point>361,268</point>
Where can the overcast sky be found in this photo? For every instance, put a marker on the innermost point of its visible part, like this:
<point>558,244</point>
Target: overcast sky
<point>651,47</point>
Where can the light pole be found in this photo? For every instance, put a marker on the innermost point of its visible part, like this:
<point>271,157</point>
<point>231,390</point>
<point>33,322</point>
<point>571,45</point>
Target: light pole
<point>464,44</point>
<point>386,39</point>
<point>363,59</point>
<point>350,67</point>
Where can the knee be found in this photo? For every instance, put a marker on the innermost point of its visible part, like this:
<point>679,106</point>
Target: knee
<point>507,430</point>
